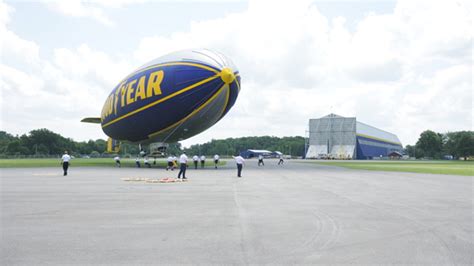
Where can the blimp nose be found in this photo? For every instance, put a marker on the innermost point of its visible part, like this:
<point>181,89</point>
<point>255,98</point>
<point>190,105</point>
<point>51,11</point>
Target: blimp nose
<point>227,75</point>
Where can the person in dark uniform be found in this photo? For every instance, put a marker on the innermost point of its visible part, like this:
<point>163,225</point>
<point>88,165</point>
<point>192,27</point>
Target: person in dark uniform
<point>65,162</point>
<point>281,160</point>
<point>117,161</point>
<point>183,163</point>
<point>216,160</point>
<point>260,160</point>
<point>170,163</point>
<point>146,162</point>
<point>137,162</point>
<point>240,162</point>
<point>195,161</point>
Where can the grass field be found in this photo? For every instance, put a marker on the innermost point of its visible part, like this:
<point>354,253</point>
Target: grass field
<point>81,162</point>
<point>430,167</point>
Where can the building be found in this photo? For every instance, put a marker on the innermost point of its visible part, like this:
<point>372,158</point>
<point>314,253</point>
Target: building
<point>395,155</point>
<point>338,137</point>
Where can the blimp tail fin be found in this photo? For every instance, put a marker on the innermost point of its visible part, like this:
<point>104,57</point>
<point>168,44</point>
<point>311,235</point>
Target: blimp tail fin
<point>95,120</point>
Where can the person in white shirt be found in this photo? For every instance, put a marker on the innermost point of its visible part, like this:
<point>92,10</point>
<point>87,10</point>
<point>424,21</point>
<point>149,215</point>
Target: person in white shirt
<point>260,160</point>
<point>240,162</point>
<point>195,161</point>
<point>216,160</point>
<point>117,161</point>
<point>146,162</point>
<point>203,160</point>
<point>183,163</point>
<point>170,161</point>
<point>65,161</point>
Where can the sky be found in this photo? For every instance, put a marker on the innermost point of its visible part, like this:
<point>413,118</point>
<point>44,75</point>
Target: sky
<point>402,66</point>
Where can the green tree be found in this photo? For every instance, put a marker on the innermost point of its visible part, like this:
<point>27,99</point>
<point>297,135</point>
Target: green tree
<point>430,144</point>
<point>5,139</point>
<point>174,148</point>
<point>460,144</point>
<point>101,145</point>
<point>41,149</point>
<point>128,149</point>
<point>13,147</point>
<point>410,150</point>
<point>55,144</point>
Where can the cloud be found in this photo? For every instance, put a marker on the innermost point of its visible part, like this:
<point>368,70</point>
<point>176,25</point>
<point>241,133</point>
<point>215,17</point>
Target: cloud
<point>56,92</point>
<point>96,10</point>
<point>403,71</point>
<point>86,63</point>
<point>296,64</point>
<point>12,47</point>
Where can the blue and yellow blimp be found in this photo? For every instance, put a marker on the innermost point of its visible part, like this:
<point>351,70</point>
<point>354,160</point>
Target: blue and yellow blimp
<point>171,98</point>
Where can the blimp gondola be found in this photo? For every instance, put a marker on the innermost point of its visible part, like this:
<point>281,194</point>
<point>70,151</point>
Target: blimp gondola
<point>169,99</point>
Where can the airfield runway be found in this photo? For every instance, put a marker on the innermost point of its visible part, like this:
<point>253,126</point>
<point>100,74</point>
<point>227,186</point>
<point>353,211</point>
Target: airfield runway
<point>298,213</point>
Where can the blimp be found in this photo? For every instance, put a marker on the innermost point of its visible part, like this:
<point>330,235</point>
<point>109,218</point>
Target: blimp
<point>169,99</point>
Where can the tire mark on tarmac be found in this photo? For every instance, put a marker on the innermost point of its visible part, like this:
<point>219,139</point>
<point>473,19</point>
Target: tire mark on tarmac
<point>323,238</point>
<point>426,228</point>
<point>325,235</point>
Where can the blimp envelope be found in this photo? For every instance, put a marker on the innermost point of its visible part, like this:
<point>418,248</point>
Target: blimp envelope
<point>171,98</point>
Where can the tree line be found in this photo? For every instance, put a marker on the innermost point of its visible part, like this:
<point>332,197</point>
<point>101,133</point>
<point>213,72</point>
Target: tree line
<point>434,145</point>
<point>45,143</point>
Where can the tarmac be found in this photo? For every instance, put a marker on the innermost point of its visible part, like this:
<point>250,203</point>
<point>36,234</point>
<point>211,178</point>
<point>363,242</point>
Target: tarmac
<point>298,213</point>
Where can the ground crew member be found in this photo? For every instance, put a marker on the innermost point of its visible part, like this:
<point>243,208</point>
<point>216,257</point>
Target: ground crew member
<point>260,160</point>
<point>183,163</point>
<point>146,162</point>
<point>203,160</point>
<point>240,162</point>
<point>117,161</point>
<point>170,163</point>
<point>195,161</point>
<point>175,162</point>
<point>137,162</point>
<point>65,161</point>
<point>216,160</point>
<point>281,160</point>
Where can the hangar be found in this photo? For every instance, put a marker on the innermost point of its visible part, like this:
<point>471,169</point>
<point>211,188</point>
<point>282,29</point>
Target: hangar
<point>255,153</point>
<point>339,137</point>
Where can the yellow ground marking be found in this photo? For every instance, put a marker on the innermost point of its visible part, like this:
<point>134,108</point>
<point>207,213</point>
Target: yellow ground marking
<point>47,174</point>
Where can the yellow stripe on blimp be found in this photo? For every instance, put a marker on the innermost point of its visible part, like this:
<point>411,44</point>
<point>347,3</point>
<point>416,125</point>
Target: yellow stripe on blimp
<point>161,100</point>
<point>191,114</point>
<point>173,64</point>
<point>227,98</point>
<point>379,139</point>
